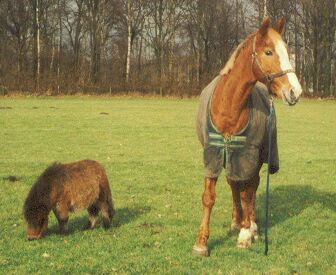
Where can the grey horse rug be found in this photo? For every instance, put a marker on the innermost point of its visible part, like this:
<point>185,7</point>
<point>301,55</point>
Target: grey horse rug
<point>249,147</point>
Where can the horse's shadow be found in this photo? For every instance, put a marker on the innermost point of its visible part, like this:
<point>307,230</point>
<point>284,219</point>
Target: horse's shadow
<point>122,216</point>
<point>285,202</point>
<point>291,200</point>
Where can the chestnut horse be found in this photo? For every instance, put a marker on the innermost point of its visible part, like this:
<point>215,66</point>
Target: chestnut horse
<point>261,57</point>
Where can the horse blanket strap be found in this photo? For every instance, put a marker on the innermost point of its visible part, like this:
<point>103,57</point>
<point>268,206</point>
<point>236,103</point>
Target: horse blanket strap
<point>234,142</point>
<point>270,120</point>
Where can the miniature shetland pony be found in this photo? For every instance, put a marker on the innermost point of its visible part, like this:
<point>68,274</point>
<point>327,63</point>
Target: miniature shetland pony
<point>63,188</point>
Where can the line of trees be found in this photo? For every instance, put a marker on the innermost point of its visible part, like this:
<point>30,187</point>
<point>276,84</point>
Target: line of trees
<point>162,46</point>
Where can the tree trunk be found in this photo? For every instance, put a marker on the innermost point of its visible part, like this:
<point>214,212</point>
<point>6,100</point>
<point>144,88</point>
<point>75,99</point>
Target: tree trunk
<point>94,6</point>
<point>161,45</point>
<point>265,9</point>
<point>129,39</point>
<point>52,58</point>
<point>59,50</point>
<point>37,43</point>
<point>140,54</point>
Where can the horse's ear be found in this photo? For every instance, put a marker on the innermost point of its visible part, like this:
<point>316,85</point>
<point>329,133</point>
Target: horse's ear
<point>264,26</point>
<point>280,26</point>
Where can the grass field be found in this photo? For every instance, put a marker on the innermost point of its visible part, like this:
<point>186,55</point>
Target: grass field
<point>154,163</point>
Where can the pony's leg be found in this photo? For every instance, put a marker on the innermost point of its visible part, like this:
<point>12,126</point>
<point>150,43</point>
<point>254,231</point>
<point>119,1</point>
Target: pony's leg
<point>208,201</point>
<point>236,205</point>
<point>62,214</point>
<point>107,213</point>
<point>93,211</point>
<point>249,229</point>
<point>106,204</point>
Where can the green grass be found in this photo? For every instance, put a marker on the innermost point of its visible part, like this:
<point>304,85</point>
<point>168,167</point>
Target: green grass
<point>154,163</point>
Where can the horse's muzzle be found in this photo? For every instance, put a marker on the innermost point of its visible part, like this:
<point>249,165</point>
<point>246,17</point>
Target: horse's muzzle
<point>290,97</point>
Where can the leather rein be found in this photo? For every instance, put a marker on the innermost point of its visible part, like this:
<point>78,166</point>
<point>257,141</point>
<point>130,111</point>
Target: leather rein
<point>269,77</point>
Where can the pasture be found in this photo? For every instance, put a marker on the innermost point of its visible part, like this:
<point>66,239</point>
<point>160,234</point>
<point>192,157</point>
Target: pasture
<point>154,163</point>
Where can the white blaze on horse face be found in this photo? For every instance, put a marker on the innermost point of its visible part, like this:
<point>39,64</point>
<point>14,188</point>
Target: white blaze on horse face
<point>286,65</point>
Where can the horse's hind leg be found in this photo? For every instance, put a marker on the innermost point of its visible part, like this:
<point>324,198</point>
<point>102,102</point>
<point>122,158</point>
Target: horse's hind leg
<point>236,205</point>
<point>253,227</point>
<point>93,211</point>
<point>249,229</point>
<point>208,201</point>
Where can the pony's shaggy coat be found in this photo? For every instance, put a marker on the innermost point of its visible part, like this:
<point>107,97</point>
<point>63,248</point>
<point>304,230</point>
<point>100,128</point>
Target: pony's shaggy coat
<point>64,188</point>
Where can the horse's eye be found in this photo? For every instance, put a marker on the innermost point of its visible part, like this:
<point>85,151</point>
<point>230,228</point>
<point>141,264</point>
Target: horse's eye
<point>268,52</point>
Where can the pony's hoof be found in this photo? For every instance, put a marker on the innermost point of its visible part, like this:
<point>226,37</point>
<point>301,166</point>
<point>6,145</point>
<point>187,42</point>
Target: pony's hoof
<point>200,250</point>
<point>32,238</point>
<point>88,226</point>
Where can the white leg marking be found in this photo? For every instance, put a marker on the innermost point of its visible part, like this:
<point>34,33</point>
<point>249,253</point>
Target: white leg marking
<point>254,231</point>
<point>244,238</point>
<point>93,220</point>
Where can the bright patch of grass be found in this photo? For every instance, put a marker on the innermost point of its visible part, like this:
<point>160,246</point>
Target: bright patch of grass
<point>154,163</point>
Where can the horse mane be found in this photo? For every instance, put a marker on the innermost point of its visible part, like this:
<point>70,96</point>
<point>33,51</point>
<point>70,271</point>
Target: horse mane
<point>230,63</point>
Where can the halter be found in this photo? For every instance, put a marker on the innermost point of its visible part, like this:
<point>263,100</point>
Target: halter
<point>268,77</point>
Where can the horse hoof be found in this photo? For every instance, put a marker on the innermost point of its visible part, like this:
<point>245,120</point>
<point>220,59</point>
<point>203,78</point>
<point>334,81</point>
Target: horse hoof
<point>255,237</point>
<point>243,244</point>
<point>244,238</point>
<point>200,250</point>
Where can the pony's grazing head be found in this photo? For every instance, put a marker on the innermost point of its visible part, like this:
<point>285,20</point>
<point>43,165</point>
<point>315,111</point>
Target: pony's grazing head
<point>37,226</point>
<point>36,216</point>
<point>271,63</point>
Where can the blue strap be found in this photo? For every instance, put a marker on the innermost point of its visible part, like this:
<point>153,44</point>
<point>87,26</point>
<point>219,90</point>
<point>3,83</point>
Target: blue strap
<point>270,121</point>
<point>234,142</point>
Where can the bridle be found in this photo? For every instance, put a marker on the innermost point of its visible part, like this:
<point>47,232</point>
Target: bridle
<point>268,77</point>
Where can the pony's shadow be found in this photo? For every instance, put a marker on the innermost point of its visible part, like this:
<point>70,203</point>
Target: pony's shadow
<point>122,216</point>
<point>285,202</point>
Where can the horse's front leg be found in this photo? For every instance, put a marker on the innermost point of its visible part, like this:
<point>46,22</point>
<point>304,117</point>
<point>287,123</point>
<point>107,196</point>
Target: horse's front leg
<point>249,228</point>
<point>208,201</point>
<point>236,205</point>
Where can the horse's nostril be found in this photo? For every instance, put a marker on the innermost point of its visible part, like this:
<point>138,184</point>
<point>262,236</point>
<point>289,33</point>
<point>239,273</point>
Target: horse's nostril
<point>292,95</point>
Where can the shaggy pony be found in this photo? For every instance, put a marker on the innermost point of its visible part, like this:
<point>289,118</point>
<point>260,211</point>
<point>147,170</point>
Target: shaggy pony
<point>64,188</point>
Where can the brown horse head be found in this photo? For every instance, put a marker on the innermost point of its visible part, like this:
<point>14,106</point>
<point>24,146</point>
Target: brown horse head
<point>271,64</point>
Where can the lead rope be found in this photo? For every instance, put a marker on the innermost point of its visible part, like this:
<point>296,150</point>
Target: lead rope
<point>270,120</point>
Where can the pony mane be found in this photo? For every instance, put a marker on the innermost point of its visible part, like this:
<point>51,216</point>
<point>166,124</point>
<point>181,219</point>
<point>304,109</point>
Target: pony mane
<point>230,63</point>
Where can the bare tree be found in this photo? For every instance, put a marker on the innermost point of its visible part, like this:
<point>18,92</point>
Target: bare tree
<point>74,25</point>
<point>173,46</point>
<point>37,49</point>
<point>15,18</point>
